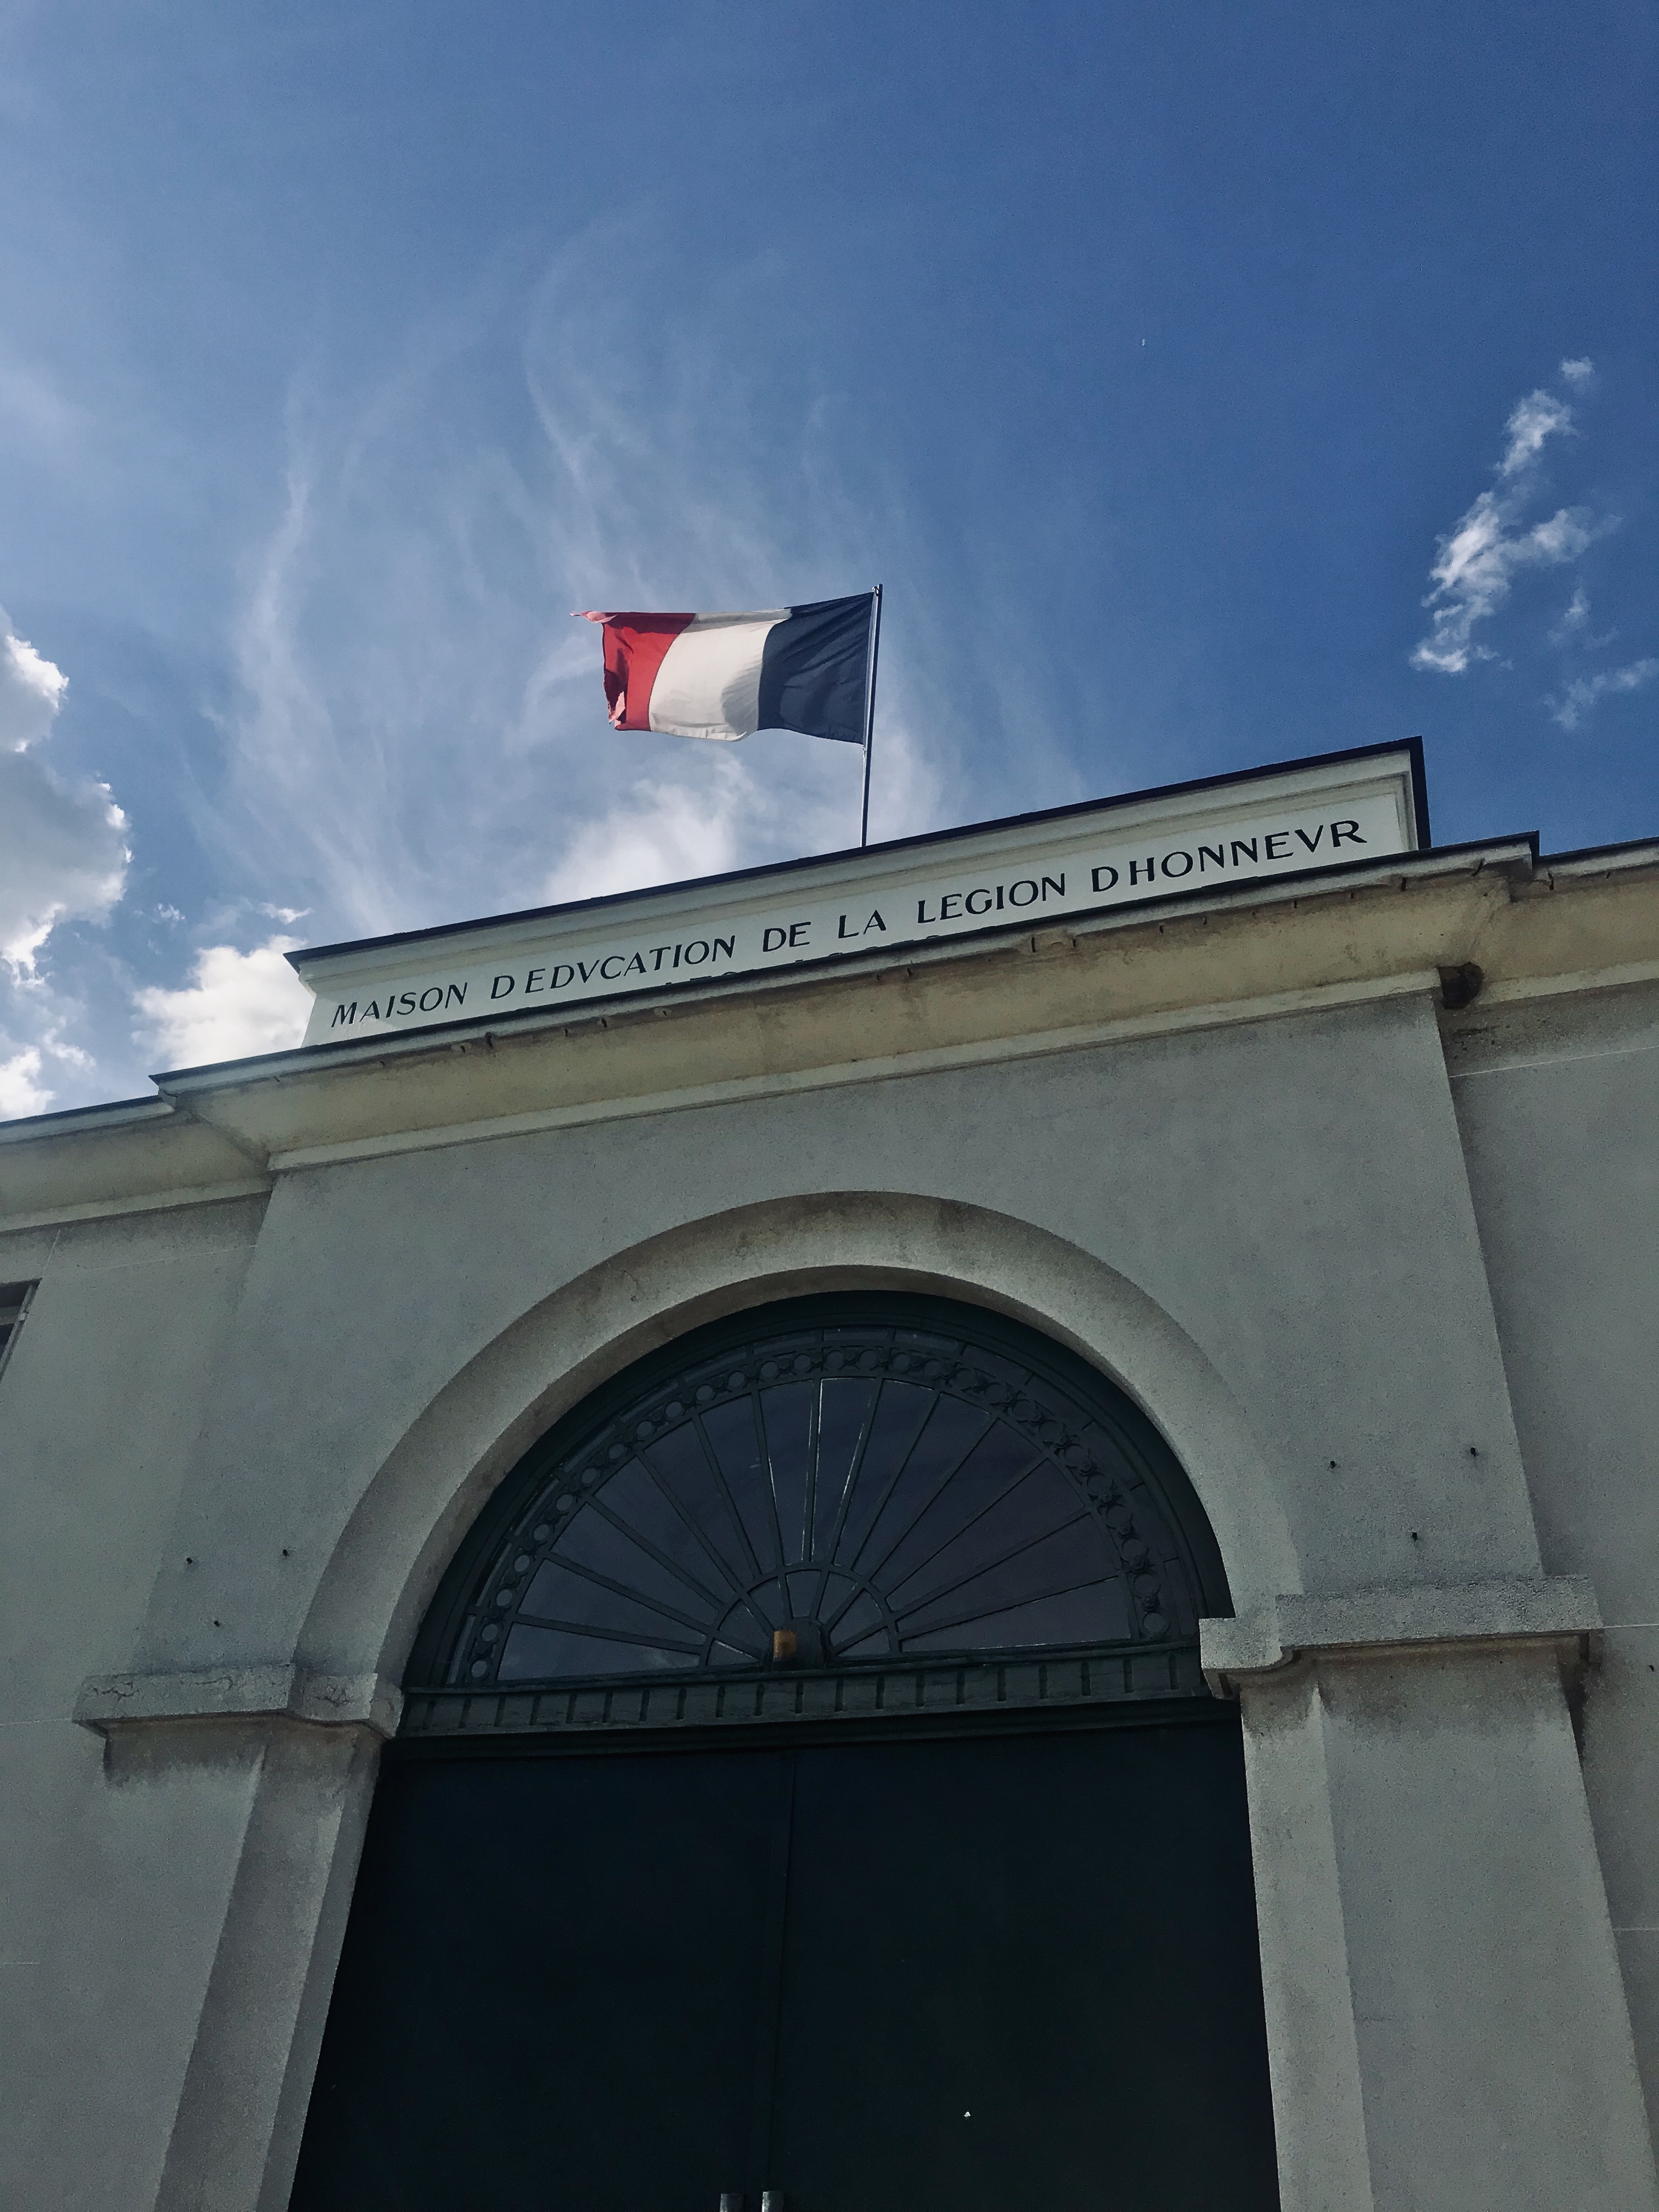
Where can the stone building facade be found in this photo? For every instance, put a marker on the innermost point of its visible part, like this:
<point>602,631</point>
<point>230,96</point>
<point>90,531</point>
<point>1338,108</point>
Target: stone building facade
<point>1338,1168</point>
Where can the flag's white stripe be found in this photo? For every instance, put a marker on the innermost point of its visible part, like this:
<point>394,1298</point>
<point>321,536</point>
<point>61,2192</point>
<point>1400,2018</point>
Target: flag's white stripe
<point>708,683</point>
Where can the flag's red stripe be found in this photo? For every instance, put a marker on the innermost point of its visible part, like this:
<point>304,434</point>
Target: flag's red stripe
<point>633,648</point>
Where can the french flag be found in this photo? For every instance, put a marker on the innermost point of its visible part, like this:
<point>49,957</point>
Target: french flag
<point>724,676</point>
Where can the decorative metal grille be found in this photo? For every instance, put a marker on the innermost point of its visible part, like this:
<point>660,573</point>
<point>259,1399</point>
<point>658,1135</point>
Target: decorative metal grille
<point>825,1492</point>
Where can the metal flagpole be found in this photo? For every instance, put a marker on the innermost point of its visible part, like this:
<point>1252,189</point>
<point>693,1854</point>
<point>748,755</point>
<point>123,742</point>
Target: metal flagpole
<point>870,712</point>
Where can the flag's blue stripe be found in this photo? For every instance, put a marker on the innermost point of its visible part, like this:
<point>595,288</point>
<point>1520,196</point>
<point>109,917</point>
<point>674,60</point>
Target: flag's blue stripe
<point>814,667</point>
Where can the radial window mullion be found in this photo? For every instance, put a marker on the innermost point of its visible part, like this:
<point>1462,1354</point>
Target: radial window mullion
<point>934,1495</point>
<point>604,1635</point>
<point>890,1618</point>
<point>980,1613</point>
<point>718,1472</point>
<point>974,1519</point>
<point>814,1441</point>
<point>636,1536</point>
<point>770,1482</point>
<point>860,1446</point>
<point>1001,1560</point>
<point>634,1595</point>
<point>893,1481</point>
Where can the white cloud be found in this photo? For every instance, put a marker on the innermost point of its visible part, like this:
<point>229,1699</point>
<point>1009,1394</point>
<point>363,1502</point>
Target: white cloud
<point>1579,372</point>
<point>1580,695</point>
<point>1486,550</point>
<point>31,691</point>
<point>663,834</point>
<point>63,843</point>
<point>63,852</point>
<point>21,1091</point>
<point>238,1003</point>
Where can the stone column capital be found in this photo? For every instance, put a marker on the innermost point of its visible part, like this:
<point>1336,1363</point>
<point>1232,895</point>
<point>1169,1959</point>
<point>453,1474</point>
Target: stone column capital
<point>1396,1620</point>
<point>108,1703</point>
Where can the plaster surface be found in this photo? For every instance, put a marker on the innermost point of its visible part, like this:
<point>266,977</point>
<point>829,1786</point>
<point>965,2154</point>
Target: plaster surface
<point>1289,1199</point>
<point>1412,1816</point>
<point>112,1897</point>
<point>1558,1106</point>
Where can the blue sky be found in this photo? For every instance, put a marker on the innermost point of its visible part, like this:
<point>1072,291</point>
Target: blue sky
<point>1162,363</point>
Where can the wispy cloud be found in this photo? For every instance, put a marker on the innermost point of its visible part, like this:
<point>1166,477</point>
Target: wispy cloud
<point>1582,694</point>
<point>421,731</point>
<point>1571,628</point>
<point>1489,545</point>
<point>666,832</point>
<point>1574,618</point>
<point>1533,422</point>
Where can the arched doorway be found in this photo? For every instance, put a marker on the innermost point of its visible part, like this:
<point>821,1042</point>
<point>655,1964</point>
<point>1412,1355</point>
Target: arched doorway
<point>807,1792</point>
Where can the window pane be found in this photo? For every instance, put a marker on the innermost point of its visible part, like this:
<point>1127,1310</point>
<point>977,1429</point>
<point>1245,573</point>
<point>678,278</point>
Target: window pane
<point>870,1489</point>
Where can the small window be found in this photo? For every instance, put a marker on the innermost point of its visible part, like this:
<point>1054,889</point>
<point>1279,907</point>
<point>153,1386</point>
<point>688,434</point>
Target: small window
<point>13,1304</point>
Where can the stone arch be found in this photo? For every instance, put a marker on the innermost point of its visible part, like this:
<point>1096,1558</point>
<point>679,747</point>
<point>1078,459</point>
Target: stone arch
<point>384,1572</point>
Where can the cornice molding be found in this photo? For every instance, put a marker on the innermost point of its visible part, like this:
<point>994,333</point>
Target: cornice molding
<point>1260,952</point>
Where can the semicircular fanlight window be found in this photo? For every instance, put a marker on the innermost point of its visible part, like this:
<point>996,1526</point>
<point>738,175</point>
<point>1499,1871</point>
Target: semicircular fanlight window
<point>841,1492</point>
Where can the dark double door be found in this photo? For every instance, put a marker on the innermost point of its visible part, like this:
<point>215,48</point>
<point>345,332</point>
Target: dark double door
<point>981,1973</point>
